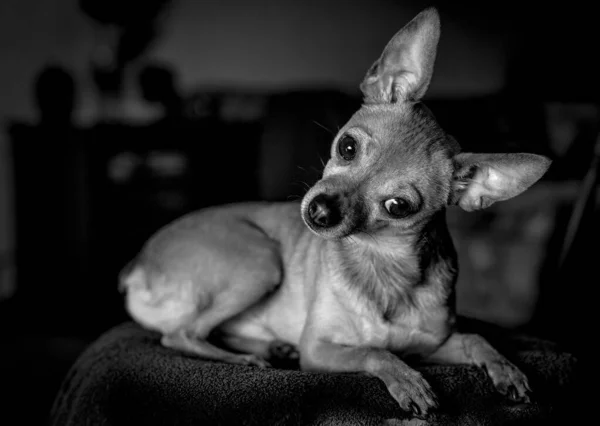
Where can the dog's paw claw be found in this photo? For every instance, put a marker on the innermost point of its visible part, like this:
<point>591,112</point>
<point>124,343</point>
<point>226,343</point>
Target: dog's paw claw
<point>415,409</point>
<point>512,393</point>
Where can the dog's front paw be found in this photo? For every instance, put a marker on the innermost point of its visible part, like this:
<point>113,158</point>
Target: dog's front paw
<point>509,380</point>
<point>411,390</point>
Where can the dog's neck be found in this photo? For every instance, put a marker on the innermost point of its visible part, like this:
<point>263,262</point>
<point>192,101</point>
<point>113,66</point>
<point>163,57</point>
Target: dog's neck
<point>389,271</point>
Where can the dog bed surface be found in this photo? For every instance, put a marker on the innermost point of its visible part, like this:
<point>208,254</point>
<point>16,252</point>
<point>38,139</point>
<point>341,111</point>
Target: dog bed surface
<point>127,378</point>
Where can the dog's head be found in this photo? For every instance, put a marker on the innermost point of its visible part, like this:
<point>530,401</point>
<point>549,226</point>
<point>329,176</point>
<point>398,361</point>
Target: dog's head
<point>392,166</point>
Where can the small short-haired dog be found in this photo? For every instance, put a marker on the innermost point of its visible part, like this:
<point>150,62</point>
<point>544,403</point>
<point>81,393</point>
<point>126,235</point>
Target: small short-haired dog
<point>361,273</point>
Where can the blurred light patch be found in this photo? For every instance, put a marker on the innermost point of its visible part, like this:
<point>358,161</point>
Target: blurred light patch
<point>167,163</point>
<point>122,166</point>
<point>242,108</point>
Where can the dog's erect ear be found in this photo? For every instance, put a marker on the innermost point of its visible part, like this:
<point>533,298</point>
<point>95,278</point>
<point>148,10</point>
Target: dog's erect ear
<point>404,70</point>
<point>482,179</point>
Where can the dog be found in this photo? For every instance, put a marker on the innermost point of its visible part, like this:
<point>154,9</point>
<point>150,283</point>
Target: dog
<point>359,275</point>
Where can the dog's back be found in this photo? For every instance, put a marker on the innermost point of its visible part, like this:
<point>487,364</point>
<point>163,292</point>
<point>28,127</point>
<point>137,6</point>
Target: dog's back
<point>187,267</point>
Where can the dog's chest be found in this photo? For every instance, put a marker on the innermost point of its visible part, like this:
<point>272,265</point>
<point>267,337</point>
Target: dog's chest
<point>416,332</point>
<point>411,332</point>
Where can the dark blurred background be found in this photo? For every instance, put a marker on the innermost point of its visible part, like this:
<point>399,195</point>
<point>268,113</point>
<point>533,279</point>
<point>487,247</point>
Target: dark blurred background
<point>119,116</point>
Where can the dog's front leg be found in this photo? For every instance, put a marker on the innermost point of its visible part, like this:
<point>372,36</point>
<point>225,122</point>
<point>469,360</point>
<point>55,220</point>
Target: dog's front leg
<point>405,384</point>
<point>474,349</point>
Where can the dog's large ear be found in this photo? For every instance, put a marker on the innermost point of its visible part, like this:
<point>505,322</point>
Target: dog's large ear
<point>482,179</point>
<point>404,70</point>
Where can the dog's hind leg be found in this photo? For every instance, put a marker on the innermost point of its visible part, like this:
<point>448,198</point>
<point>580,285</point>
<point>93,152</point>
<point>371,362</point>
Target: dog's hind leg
<point>185,341</point>
<point>189,284</point>
<point>193,334</point>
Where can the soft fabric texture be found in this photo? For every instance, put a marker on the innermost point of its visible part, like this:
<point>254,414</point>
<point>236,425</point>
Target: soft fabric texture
<point>126,377</point>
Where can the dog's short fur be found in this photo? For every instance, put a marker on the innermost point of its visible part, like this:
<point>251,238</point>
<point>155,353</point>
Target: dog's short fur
<point>362,273</point>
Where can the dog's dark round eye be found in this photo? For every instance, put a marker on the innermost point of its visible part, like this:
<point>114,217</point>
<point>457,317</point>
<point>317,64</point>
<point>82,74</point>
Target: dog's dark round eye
<point>397,207</point>
<point>347,148</point>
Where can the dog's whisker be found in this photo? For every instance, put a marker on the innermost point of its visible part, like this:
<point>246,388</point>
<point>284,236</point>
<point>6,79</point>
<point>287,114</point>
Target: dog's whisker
<point>303,184</point>
<point>323,127</point>
<point>352,240</point>
<point>372,237</point>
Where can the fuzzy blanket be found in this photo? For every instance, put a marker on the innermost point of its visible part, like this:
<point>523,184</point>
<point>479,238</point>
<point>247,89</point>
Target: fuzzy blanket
<point>126,377</point>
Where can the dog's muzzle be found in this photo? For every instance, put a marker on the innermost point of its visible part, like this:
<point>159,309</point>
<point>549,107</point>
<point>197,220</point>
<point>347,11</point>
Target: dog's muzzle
<point>324,211</point>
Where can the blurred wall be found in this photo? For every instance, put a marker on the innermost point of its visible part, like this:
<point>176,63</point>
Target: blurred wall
<point>274,44</point>
<point>263,44</point>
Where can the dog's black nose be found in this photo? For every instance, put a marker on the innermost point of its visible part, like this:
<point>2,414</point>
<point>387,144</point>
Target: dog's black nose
<point>324,211</point>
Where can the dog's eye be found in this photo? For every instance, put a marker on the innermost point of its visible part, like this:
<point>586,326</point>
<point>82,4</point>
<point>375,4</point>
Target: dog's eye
<point>397,207</point>
<point>347,148</point>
